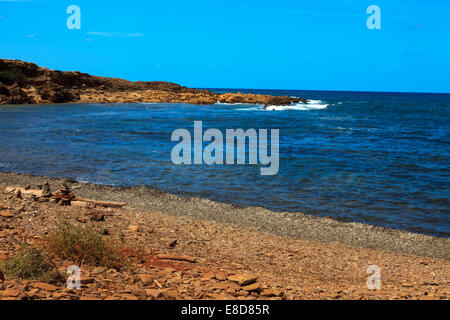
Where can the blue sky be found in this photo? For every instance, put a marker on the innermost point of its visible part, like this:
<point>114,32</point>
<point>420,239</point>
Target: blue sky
<point>274,44</point>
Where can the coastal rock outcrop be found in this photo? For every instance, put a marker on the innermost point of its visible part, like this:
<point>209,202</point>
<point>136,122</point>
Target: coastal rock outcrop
<point>258,99</point>
<point>56,93</point>
<point>18,96</point>
<point>26,83</point>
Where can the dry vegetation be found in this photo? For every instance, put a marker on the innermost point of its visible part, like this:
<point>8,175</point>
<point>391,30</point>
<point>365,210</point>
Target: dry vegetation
<point>31,263</point>
<point>84,245</point>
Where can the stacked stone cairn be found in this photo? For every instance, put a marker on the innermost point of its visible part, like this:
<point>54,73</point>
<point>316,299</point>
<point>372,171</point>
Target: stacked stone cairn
<point>46,193</point>
<point>63,196</point>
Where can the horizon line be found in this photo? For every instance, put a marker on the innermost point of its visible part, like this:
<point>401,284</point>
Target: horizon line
<point>323,90</point>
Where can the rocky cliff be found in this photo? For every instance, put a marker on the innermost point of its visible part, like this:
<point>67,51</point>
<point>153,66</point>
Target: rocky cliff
<point>27,83</point>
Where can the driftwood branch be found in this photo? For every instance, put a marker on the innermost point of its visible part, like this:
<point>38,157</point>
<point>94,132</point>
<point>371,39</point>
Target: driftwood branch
<point>176,257</point>
<point>38,194</point>
<point>35,192</point>
<point>99,203</point>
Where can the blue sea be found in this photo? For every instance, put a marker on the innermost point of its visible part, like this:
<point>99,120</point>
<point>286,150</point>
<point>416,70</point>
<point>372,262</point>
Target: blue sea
<point>376,158</point>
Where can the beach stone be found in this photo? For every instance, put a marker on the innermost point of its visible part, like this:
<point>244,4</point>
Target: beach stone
<point>10,293</point>
<point>208,276</point>
<point>43,286</point>
<point>59,295</point>
<point>33,293</point>
<point>242,279</point>
<point>153,293</point>
<point>268,293</point>
<point>90,297</point>
<point>146,278</point>
<point>221,276</point>
<point>246,298</point>
<point>6,214</point>
<point>252,287</point>
<point>133,228</point>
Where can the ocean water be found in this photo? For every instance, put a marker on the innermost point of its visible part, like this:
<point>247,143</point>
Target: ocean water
<point>376,158</point>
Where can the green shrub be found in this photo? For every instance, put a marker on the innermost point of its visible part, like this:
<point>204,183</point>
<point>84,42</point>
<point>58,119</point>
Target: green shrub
<point>84,245</point>
<point>31,264</point>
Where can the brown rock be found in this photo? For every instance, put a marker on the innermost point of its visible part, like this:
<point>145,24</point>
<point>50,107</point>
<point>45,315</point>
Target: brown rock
<point>146,278</point>
<point>133,228</point>
<point>97,216</point>
<point>129,297</point>
<point>153,293</point>
<point>43,286</point>
<point>33,293</point>
<point>58,295</point>
<point>6,214</point>
<point>10,293</point>
<point>268,293</point>
<point>221,276</point>
<point>246,298</point>
<point>243,279</point>
<point>208,276</point>
<point>90,297</point>
<point>219,296</point>
<point>252,287</point>
<point>168,271</point>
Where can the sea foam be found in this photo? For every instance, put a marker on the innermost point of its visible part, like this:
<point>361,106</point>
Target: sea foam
<point>311,105</point>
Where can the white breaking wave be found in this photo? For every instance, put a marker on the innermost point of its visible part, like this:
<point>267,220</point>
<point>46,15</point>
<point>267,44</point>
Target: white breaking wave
<point>298,106</point>
<point>311,105</point>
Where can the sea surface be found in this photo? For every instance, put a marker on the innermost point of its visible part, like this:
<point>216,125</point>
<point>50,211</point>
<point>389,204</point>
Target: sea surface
<point>376,158</point>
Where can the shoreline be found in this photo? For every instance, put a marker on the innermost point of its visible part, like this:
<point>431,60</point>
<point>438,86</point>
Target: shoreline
<point>295,225</point>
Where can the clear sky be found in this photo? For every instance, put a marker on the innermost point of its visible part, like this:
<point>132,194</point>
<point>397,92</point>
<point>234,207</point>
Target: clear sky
<point>272,44</point>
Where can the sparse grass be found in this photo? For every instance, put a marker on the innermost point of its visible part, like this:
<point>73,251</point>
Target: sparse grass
<point>31,263</point>
<point>84,245</point>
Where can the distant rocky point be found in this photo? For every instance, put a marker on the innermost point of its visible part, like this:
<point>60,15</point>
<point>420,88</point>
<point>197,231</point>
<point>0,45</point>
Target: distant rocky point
<point>26,83</point>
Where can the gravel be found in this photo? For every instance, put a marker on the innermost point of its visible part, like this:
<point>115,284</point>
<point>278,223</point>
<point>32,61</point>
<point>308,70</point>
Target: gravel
<point>291,225</point>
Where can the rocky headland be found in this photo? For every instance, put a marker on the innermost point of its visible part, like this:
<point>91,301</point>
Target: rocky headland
<point>26,83</point>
